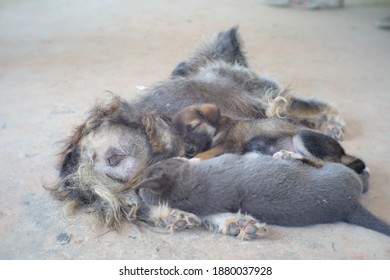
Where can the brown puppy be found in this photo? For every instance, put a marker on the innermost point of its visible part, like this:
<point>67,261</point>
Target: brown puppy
<point>212,134</point>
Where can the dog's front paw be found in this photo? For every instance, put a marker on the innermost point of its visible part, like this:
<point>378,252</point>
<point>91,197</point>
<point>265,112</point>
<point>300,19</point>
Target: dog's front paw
<point>130,202</point>
<point>178,220</point>
<point>172,219</point>
<point>246,229</point>
<point>242,226</point>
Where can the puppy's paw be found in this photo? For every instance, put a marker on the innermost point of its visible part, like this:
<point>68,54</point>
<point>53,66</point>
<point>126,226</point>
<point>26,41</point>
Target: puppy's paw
<point>334,127</point>
<point>242,226</point>
<point>178,220</point>
<point>283,154</point>
<point>246,229</point>
<point>335,131</point>
<point>172,219</point>
<point>287,155</point>
<point>130,203</point>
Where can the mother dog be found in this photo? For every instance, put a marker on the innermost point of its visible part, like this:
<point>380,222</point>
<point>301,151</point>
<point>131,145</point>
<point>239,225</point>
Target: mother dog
<point>120,138</point>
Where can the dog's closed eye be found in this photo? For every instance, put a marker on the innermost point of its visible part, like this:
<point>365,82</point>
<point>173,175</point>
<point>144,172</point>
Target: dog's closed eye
<point>201,115</point>
<point>191,127</point>
<point>114,160</point>
<point>114,156</point>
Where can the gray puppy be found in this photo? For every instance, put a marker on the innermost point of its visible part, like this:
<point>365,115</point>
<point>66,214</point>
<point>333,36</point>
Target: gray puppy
<point>271,190</point>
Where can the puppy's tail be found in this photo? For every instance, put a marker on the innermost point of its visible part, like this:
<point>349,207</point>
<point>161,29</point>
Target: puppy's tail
<point>354,163</point>
<point>360,216</point>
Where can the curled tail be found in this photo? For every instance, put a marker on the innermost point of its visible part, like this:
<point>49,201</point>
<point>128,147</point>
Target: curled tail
<point>362,217</point>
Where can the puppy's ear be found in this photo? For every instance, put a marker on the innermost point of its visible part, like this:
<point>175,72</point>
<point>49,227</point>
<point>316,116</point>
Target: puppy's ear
<point>158,185</point>
<point>158,132</point>
<point>210,112</point>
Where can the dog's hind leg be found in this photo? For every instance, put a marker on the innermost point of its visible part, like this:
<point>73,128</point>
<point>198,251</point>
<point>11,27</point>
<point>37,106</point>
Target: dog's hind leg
<point>235,224</point>
<point>225,47</point>
<point>317,115</point>
<point>166,217</point>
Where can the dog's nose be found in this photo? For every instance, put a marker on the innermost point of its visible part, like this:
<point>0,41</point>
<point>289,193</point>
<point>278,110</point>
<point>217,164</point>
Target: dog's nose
<point>190,151</point>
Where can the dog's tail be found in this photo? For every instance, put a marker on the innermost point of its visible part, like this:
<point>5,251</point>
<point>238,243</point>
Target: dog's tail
<point>226,47</point>
<point>362,217</point>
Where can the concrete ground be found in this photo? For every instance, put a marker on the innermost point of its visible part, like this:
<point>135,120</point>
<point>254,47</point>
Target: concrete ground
<point>58,57</point>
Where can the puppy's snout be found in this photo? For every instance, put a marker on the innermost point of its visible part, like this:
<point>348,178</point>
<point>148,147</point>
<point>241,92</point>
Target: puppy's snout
<point>190,151</point>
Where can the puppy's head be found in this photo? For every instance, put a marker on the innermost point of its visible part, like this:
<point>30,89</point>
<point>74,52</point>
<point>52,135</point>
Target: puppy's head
<point>197,124</point>
<point>163,141</point>
<point>159,179</point>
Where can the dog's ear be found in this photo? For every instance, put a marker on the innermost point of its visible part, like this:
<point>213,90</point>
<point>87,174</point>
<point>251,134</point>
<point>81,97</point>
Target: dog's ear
<point>210,112</point>
<point>158,185</point>
<point>158,132</point>
<point>70,154</point>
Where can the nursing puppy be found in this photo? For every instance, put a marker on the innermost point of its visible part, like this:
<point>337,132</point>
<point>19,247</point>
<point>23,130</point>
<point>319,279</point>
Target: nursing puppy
<point>211,134</point>
<point>120,137</point>
<point>273,191</point>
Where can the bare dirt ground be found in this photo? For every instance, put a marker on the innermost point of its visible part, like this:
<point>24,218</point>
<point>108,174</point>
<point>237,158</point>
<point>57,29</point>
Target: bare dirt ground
<point>58,57</point>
